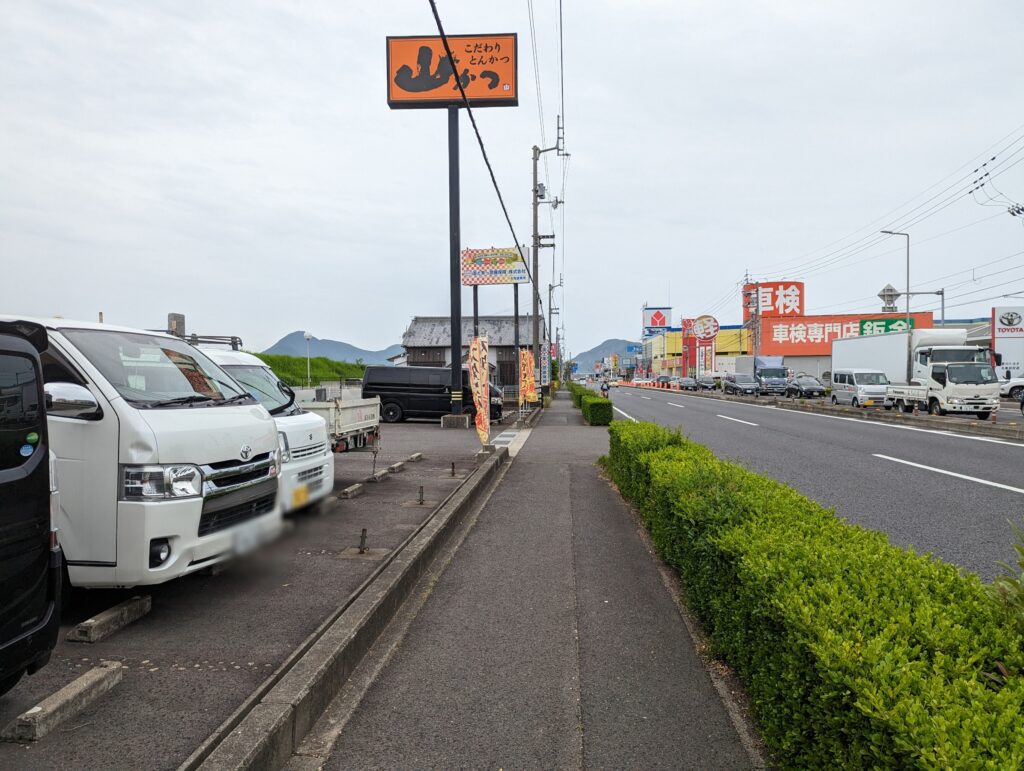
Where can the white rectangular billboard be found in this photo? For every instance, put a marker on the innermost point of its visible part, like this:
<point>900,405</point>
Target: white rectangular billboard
<point>1008,340</point>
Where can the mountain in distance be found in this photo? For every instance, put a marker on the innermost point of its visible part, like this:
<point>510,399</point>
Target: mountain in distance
<point>294,344</point>
<point>598,352</point>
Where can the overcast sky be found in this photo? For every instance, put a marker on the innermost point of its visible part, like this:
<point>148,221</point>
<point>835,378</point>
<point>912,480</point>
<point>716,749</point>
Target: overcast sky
<point>237,161</point>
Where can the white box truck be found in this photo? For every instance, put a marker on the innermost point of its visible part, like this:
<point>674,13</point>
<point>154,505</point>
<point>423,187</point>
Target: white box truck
<point>947,374</point>
<point>166,464</point>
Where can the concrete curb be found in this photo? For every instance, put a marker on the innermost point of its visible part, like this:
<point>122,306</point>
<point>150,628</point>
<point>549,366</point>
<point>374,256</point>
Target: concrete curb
<point>65,703</point>
<point>378,476</point>
<point>265,735</point>
<point>395,468</point>
<point>110,620</point>
<point>416,457</point>
<point>352,491</point>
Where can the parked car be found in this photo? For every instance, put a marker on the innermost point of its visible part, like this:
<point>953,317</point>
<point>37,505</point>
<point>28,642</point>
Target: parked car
<point>688,384</point>
<point>805,387</point>
<point>30,557</point>
<point>740,383</point>
<point>706,383</point>
<point>307,463</point>
<point>420,392</point>
<point>857,387</point>
<point>167,466</point>
<point>1012,388</point>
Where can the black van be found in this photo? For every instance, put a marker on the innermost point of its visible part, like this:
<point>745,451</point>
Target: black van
<point>420,392</point>
<point>30,558</point>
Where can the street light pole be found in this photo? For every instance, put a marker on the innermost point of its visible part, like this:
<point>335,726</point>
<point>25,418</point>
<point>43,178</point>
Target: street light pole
<point>308,337</point>
<point>910,364</point>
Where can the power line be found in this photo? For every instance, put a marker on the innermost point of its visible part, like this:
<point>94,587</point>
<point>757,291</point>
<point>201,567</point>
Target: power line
<point>483,150</point>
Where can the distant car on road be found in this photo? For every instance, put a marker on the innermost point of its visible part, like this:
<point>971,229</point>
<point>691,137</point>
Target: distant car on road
<point>706,383</point>
<point>687,384</point>
<point>805,387</point>
<point>740,383</point>
<point>1013,388</point>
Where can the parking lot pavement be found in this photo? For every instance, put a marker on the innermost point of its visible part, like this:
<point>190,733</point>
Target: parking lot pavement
<point>210,640</point>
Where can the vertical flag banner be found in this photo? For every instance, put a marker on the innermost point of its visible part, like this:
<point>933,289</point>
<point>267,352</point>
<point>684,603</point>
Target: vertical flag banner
<point>481,387</point>
<point>527,382</point>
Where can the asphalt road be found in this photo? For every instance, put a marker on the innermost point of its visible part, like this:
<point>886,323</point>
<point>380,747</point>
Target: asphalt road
<point>937,492</point>
<point>211,640</point>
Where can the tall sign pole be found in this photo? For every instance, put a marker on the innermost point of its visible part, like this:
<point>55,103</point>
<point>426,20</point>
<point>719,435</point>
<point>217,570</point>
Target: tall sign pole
<point>454,247</point>
<point>536,259</point>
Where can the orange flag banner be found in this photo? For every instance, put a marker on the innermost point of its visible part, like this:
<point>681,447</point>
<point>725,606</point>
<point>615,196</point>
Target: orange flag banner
<point>481,387</point>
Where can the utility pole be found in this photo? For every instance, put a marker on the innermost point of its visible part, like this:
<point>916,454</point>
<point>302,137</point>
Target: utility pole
<point>910,345</point>
<point>538,193</point>
<point>551,309</point>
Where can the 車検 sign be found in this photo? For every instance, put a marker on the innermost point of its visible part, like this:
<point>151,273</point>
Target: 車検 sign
<point>421,75</point>
<point>493,266</point>
<point>774,298</point>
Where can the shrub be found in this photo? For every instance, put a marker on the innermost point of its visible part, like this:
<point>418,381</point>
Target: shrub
<point>597,410</point>
<point>855,653</point>
<point>577,392</point>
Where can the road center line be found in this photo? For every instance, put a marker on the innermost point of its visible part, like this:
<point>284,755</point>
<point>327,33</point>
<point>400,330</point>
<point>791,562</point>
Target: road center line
<point>737,420</point>
<point>648,398</point>
<point>951,473</point>
<point>675,405</point>
<point>623,414</point>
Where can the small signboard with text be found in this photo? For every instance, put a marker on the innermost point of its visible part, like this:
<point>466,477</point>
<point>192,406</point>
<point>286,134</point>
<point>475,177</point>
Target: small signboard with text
<point>493,266</point>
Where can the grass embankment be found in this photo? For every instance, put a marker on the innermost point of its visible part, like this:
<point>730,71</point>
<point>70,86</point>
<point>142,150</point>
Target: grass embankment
<point>292,369</point>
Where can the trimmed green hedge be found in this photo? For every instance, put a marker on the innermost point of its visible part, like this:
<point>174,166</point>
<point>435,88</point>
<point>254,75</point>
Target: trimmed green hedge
<point>855,653</point>
<point>597,410</point>
<point>577,392</point>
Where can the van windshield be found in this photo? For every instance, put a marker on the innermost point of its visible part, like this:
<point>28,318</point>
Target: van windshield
<point>773,372</point>
<point>960,354</point>
<point>871,378</point>
<point>156,372</point>
<point>20,418</point>
<point>744,378</point>
<point>263,384</point>
<point>970,374</point>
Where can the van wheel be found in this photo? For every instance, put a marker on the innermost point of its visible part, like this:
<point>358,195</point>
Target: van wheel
<point>391,413</point>
<point>900,406</point>
<point>934,408</point>
<point>835,402</point>
<point>983,415</point>
<point>855,404</point>
<point>1016,392</point>
<point>10,681</point>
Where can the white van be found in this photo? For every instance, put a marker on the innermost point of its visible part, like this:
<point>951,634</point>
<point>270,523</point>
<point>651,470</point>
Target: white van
<point>857,387</point>
<point>307,463</point>
<point>166,464</point>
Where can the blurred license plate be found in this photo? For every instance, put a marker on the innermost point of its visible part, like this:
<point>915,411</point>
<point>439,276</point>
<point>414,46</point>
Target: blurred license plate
<point>869,402</point>
<point>246,537</point>
<point>300,496</point>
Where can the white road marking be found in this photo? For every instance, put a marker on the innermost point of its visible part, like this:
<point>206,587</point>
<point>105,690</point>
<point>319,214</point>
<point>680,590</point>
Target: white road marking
<point>623,414</point>
<point>737,420</point>
<point>648,398</point>
<point>865,422</point>
<point>675,405</point>
<point>952,474</point>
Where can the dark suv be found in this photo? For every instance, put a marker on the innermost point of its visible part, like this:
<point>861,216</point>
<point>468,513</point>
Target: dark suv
<point>420,392</point>
<point>30,558</point>
<point>740,384</point>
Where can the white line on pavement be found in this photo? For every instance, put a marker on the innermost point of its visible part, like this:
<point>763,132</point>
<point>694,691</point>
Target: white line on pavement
<point>737,420</point>
<point>623,414</point>
<point>951,474</point>
<point>864,422</point>
<point>675,405</point>
<point>648,398</point>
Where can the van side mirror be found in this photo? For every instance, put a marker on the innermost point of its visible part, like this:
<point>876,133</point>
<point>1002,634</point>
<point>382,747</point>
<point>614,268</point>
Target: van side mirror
<point>70,400</point>
<point>999,359</point>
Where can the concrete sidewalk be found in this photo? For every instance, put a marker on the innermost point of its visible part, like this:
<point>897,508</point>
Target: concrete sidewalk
<point>550,641</point>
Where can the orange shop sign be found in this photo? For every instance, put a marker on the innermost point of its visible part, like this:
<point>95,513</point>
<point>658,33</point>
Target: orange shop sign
<point>421,75</point>
<point>774,298</point>
<point>813,335</point>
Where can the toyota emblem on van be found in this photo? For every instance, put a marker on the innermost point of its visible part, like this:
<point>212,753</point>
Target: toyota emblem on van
<point>245,452</point>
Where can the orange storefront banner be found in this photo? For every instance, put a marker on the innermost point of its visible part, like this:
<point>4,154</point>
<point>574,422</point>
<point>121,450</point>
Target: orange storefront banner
<point>813,335</point>
<point>480,386</point>
<point>420,74</point>
<point>775,298</point>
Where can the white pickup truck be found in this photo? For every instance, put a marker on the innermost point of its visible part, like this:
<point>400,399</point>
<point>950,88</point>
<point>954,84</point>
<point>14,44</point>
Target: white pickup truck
<point>956,387</point>
<point>353,423</point>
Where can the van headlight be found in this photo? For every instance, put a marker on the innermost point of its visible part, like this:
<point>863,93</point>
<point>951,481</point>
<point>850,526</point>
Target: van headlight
<point>955,400</point>
<point>282,442</point>
<point>144,483</point>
